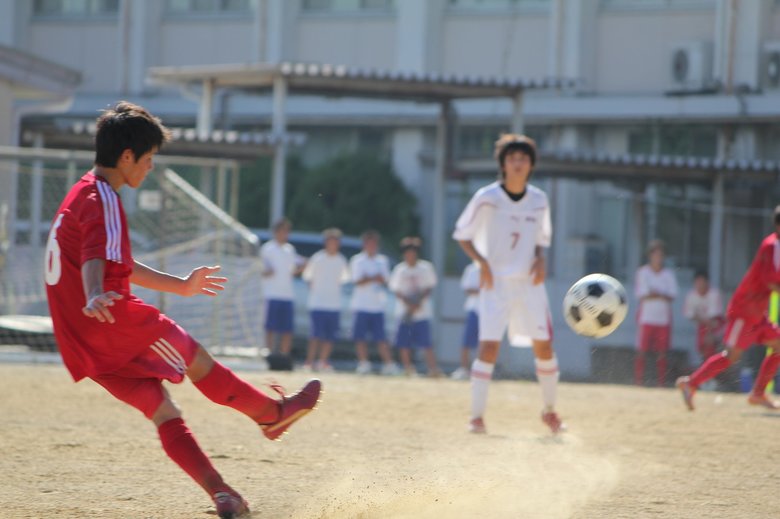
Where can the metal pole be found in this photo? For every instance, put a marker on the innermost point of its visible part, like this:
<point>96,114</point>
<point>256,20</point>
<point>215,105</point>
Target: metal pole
<point>235,181</point>
<point>517,112</point>
<point>716,230</point>
<point>36,195</point>
<point>438,232</point>
<point>279,129</point>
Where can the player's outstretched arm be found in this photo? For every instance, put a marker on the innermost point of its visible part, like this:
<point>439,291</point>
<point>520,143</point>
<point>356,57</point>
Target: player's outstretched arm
<point>200,281</point>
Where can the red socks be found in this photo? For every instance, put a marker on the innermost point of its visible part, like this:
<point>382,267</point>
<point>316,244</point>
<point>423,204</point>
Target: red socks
<point>222,386</point>
<point>711,367</point>
<point>766,373</point>
<point>180,445</point>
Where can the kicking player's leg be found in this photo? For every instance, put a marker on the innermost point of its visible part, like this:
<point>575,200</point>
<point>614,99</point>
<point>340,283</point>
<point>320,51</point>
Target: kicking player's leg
<point>481,374</point>
<point>221,385</point>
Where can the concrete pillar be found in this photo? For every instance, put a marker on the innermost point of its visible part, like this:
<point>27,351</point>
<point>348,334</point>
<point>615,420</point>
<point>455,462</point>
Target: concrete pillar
<point>740,28</point>
<point>205,122</point>
<point>418,35</point>
<point>279,129</point>
<point>572,40</point>
<point>279,17</point>
<point>517,113</point>
<point>8,23</point>
<point>716,231</point>
<point>8,171</point>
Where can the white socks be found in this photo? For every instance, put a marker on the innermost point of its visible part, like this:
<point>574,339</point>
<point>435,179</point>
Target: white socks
<point>547,374</point>
<point>481,373</point>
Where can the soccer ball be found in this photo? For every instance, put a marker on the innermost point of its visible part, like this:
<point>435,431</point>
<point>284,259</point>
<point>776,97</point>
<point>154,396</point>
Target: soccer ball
<point>595,305</point>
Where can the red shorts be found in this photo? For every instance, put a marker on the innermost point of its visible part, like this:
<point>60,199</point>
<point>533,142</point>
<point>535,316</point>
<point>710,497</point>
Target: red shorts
<point>139,382</point>
<point>653,338</point>
<point>743,333</point>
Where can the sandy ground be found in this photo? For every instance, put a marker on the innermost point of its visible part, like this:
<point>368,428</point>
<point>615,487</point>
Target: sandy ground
<point>381,447</point>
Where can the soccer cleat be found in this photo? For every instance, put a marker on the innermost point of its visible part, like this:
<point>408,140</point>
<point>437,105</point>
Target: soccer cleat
<point>460,374</point>
<point>363,368</point>
<point>763,401</point>
<point>551,420</point>
<point>687,390</point>
<point>324,367</point>
<point>477,426</point>
<point>292,408</point>
<point>230,506</point>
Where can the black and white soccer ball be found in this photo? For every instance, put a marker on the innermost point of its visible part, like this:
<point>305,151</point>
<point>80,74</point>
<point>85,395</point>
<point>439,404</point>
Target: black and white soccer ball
<point>595,305</point>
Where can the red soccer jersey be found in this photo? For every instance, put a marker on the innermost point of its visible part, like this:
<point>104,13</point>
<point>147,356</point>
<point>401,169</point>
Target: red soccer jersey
<point>751,299</point>
<point>91,224</point>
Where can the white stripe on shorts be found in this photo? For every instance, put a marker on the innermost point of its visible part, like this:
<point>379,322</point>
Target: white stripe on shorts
<point>163,353</point>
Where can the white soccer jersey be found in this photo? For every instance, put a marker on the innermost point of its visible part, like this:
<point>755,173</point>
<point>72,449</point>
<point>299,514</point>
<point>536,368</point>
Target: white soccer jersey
<point>506,232</point>
<point>326,273</point>
<point>369,297</point>
<point>470,281</point>
<point>656,312</point>
<point>707,306</point>
<point>282,259</point>
<point>411,280</point>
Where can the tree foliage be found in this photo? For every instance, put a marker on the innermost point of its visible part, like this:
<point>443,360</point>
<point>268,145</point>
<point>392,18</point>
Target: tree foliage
<point>355,192</point>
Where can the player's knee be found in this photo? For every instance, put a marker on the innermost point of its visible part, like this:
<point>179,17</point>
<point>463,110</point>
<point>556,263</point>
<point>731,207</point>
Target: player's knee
<point>201,364</point>
<point>168,410</point>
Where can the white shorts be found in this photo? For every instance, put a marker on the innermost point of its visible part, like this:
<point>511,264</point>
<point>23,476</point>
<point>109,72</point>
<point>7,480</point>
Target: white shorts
<point>519,305</point>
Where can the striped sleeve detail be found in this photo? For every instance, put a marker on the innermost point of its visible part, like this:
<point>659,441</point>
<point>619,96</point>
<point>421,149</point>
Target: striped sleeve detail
<point>169,354</point>
<point>113,222</point>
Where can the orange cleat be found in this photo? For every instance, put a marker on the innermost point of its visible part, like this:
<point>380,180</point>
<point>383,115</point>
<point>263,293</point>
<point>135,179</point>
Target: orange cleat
<point>687,390</point>
<point>230,505</point>
<point>763,401</point>
<point>551,420</point>
<point>477,426</point>
<point>292,408</point>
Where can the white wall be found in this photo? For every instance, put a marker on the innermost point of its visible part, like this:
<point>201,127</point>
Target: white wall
<point>91,48</point>
<point>348,40</point>
<point>495,45</point>
<point>634,49</point>
<point>195,42</point>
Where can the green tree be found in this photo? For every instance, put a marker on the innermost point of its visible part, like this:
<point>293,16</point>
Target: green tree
<point>255,189</point>
<point>354,192</point>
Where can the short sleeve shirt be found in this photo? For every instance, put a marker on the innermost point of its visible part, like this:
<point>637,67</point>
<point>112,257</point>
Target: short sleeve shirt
<point>283,260</point>
<point>410,281</point>
<point>371,296</point>
<point>326,273</point>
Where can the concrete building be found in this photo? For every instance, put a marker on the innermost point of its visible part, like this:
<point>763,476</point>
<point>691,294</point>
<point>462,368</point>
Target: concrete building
<point>683,78</point>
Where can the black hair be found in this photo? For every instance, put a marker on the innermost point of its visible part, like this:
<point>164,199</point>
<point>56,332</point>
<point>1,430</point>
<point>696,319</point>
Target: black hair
<point>701,274</point>
<point>127,126</point>
<point>777,215</point>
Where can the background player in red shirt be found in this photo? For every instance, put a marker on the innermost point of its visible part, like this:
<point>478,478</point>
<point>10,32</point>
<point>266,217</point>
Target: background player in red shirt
<point>106,333</point>
<point>747,323</point>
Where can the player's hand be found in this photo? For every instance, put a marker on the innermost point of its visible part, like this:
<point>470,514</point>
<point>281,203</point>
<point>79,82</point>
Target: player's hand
<point>538,270</point>
<point>202,281</point>
<point>485,276</point>
<point>97,306</point>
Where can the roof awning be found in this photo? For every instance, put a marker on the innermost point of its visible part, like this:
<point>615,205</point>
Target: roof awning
<point>584,165</point>
<point>344,81</point>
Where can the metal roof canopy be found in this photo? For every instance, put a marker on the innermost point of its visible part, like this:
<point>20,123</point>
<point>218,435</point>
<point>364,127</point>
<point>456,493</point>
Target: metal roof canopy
<point>343,81</point>
<point>604,166</point>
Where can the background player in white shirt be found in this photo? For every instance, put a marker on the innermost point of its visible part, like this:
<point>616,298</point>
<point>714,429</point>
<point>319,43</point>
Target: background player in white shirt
<point>469,282</point>
<point>326,272</point>
<point>704,305</point>
<point>280,265</point>
<point>505,228</point>
<point>412,281</point>
<point>655,288</point>
<point>370,271</point>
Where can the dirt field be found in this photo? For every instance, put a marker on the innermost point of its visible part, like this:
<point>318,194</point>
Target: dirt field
<point>382,447</point>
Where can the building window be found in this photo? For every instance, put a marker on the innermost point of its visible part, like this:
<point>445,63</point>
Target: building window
<point>656,4</point>
<point>496,4</point>
<point>348,5</point>
<point>209,6</point>
<point>675,141</point>
<point>75,8</point>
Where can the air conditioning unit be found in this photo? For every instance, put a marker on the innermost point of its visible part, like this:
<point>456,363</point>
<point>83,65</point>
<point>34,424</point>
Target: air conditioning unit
<point>691,65</point>
<point>770,66</point>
